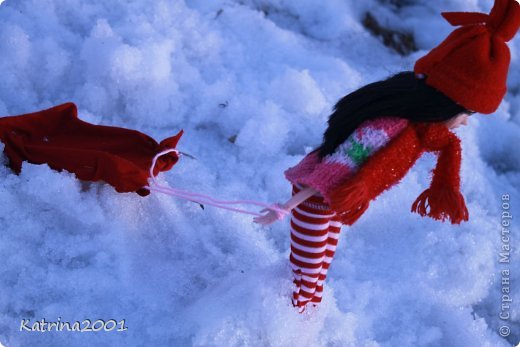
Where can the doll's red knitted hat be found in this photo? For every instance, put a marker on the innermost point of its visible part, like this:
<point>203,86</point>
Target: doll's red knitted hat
<point>471,65</point>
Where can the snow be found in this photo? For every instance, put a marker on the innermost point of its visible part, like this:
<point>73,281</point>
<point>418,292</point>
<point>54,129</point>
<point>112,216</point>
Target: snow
<point>267,72</point>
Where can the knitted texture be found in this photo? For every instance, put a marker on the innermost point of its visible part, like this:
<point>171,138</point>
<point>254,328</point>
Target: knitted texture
<point>390,164</point>
<point>328,173</point>
<point>471,65</point>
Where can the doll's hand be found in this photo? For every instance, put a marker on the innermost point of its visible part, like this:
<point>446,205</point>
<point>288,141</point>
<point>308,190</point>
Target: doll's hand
<point>271,216</point>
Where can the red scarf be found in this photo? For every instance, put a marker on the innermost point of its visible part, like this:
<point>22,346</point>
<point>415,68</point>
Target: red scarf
<point>390,164</point>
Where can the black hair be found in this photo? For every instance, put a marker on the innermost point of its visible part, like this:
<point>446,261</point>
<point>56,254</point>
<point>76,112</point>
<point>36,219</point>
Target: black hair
<point>402,95</point>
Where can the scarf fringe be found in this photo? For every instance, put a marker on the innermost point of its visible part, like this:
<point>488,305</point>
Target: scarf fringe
<point>390,164</point>
<point>353,200</point>
<point>444,203</point>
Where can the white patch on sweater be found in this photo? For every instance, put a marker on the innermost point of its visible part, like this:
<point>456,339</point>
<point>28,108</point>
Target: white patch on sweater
<point>374,138</point>
<point>368,136</point>
<point>340,154</point>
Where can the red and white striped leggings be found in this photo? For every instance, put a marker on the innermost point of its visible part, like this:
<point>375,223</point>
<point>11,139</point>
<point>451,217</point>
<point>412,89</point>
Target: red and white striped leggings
<point>314,237</point>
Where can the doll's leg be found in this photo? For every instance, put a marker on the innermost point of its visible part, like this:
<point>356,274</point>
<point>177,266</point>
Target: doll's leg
<point>309,235</point>
<point>332,242</point>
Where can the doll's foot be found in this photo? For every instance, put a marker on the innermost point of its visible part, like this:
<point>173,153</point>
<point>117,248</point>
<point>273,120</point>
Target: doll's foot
<point>306,306</point>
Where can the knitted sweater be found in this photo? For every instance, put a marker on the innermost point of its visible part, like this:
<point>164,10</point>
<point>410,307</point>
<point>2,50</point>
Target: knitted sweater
<point>330,172</point>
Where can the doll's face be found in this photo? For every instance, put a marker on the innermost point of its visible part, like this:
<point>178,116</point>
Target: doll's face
<point>461,118</point>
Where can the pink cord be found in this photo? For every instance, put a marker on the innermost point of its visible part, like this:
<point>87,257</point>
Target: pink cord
<point>205,199</point>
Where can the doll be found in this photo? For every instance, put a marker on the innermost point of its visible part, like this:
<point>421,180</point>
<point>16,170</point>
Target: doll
<point>376,133</point>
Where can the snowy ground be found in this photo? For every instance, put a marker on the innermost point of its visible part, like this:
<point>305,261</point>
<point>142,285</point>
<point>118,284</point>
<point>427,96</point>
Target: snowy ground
<point>267,71</point>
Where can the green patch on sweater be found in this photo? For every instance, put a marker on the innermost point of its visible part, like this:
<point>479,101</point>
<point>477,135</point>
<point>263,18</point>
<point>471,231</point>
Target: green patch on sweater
<point>358,153</point>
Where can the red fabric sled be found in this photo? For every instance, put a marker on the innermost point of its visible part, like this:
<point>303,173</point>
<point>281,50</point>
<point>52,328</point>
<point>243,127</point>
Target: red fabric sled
<point>120,157</point>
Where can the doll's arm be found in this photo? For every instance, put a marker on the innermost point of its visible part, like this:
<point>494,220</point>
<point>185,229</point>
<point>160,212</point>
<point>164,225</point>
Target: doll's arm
<point>272,216</point>
<point>299,197</point>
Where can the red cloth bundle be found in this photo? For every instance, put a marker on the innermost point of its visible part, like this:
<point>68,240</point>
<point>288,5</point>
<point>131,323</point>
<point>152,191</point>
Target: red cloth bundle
<point>120,157</point>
